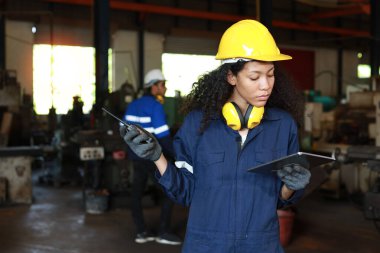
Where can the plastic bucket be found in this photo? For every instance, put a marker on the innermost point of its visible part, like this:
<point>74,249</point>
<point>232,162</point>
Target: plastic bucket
<point>96,203</point>
<point>286,220</point>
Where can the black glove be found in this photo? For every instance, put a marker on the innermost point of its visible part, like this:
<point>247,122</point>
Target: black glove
<point>294,176</point>
<point>142,143</point>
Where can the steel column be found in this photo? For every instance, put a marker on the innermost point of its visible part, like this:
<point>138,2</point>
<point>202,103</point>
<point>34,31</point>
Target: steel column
<point>265,13</point>
<point>375,43</point>
<point>101,44</point>
<point>2,38</point>
<point>141,54</point>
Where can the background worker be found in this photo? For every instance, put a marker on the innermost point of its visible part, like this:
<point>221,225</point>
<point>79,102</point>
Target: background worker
<point>148,113</point>
<point>240,115</point>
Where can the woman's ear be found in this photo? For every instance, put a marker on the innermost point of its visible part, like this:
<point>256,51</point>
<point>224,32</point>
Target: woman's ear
<point>231,79</point>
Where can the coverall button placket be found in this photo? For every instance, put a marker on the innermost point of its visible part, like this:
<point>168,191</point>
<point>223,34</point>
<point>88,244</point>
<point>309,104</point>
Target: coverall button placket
<point>238,140</point>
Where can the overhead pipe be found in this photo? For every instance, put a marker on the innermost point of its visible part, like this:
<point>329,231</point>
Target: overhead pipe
<point>349,11</point>
<point>173,11</point>
<point>319,28</point>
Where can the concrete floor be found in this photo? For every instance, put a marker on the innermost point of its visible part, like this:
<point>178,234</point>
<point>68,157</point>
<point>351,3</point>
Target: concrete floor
<point>56,222</point>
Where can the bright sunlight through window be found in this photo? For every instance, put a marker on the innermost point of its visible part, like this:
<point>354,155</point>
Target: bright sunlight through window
<point>59,74</point>
<point>182,70</point>
<point>364,71</point>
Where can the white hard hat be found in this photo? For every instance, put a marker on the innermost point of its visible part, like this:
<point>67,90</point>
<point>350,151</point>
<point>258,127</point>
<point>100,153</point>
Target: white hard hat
<point>152,77</point>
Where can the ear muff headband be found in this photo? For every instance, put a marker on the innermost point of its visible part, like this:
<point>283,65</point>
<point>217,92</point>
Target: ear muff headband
<point>247,115</point>
<point>235,119</point>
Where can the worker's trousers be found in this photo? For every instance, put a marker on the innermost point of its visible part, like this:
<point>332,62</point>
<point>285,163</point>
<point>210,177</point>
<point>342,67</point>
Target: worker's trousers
<point>142,170</point>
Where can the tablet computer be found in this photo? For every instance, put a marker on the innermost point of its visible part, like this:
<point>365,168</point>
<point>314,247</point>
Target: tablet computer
<point>307,160</point>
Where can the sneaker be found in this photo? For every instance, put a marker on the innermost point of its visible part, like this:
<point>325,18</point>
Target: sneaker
<point>144,237</point>
<point>169,239</point>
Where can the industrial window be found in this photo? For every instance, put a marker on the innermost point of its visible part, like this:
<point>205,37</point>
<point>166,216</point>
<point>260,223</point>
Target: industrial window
<point>182,70</point>
<point>364,71</point>
<point>62,72</point>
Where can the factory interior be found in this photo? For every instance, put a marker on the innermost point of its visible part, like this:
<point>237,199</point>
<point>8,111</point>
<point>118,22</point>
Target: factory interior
<point>65,176</point>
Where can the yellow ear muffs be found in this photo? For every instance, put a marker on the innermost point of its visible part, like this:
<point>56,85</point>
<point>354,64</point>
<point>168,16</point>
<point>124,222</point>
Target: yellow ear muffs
<point>237,121</point>
<point>254,116</point>
<point>233,116</point>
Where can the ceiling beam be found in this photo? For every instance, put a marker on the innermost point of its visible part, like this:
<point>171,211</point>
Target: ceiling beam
<point>173,11</point>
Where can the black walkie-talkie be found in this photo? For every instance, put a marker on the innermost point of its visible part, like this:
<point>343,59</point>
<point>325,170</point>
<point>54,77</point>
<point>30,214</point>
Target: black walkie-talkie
<point>129,126</point>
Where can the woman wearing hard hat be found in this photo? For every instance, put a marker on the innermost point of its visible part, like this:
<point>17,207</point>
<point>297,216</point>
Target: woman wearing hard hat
<point>240,115</point>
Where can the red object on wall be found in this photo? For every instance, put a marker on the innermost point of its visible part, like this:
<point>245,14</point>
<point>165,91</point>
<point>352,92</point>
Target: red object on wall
<point>301,68</point>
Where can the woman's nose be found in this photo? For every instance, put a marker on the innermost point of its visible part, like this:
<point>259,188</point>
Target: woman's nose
<point>264,83</point>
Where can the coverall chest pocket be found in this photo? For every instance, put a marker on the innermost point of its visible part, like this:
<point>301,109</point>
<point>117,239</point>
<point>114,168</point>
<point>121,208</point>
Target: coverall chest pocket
<point>210,167</point>
<point>265,156</point>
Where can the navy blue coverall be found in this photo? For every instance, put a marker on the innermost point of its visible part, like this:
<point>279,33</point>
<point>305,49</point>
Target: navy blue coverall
<point>231,210</point>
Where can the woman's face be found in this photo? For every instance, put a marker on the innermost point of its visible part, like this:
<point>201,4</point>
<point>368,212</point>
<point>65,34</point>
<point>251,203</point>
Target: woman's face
<point>253,84</point>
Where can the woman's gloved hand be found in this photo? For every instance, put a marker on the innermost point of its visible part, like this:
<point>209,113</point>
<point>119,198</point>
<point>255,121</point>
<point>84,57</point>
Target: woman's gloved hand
<point>141,142</point>
<point>294,176</point>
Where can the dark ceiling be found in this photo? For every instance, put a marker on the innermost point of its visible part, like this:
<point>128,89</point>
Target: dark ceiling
<point>316,23</point>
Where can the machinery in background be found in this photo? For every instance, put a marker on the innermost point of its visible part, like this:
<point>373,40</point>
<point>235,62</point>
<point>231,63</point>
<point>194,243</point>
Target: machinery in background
<point>90,153</point>
<point>365,162</point>
<point>16,154</point>
<point>105,170</point>
<point>352,132</point>
<point>172,107</point>
<point>314,96</point>
<point>117,102</point>
<point>81,150</point>
<point>16,111</point>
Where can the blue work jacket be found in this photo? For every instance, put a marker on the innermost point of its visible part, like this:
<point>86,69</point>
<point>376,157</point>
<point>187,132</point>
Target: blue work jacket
<point>231,209</point>
<point>148,113</point>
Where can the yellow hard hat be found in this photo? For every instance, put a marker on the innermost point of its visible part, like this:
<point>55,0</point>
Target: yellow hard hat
<point>248,40</point>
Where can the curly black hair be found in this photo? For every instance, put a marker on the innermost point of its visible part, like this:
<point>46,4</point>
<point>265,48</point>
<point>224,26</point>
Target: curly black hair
<point>212,91</point>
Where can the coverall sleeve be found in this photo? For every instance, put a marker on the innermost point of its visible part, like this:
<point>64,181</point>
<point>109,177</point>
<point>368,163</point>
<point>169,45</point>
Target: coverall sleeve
<point>167,146</point>
<point>293,147</point>
<point>178,179</point>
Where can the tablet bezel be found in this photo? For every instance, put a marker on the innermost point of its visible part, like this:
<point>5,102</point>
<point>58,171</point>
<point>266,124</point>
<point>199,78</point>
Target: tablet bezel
<point>307,160</point>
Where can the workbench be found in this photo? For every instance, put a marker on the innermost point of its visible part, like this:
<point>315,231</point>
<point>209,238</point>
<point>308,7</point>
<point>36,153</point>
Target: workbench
<point>16,171</point>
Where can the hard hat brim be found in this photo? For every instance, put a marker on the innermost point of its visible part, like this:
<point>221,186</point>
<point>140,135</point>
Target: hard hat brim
<point>269,58</point>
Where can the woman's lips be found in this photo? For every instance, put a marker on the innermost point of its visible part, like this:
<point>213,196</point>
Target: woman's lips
<point>263,97</point>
